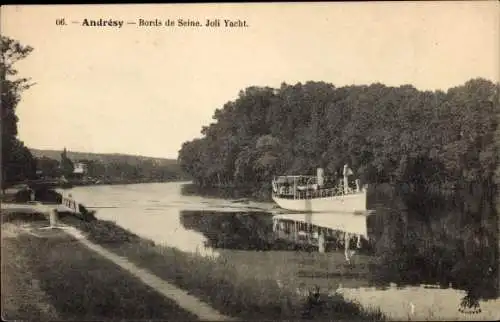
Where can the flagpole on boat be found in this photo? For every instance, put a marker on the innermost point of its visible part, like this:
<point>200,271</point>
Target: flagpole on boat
<point>294,187</point>
<point>346,181</point>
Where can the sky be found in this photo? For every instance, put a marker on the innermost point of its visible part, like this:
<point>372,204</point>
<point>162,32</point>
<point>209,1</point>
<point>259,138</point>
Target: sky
<point>145,90</point>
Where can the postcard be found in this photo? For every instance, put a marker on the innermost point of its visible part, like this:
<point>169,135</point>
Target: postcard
<point>251,161</point>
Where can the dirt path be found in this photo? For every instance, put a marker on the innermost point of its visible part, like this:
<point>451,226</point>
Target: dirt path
<point>47,274</point>
<point>181,297</point>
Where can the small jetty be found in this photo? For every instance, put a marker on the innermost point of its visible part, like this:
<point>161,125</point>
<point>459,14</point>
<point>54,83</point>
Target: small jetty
<point>40,197</point>
<point>36,208</point>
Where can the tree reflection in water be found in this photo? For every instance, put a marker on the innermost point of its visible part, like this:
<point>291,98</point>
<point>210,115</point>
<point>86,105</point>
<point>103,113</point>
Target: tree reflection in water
<point>417,238</point>
<point>436,238</point>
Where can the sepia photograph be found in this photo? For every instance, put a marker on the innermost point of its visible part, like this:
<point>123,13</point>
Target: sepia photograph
<point>305,161</point>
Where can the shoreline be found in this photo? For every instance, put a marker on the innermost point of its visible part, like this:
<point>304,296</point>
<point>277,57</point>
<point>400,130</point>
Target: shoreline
<point>113,183</point>
<point>247,292</point>
<point>223,287</point>
<point>52,276</point>
<point>216,282</point>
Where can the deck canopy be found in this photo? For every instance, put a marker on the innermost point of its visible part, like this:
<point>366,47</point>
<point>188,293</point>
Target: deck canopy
<point>292,179</point>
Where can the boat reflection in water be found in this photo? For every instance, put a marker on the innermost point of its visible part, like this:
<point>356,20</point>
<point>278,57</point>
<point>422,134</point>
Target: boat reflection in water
<point>324,232</point>
<point>404,246</point>
<point>321,232</point>
<point>288,246</point>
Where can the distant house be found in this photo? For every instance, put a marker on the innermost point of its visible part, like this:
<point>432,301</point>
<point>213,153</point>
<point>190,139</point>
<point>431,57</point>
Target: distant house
<point>80,169</point>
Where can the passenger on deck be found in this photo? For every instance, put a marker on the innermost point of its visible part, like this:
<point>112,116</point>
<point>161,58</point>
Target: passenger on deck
<point>349,253</point>
<point>285,188</point>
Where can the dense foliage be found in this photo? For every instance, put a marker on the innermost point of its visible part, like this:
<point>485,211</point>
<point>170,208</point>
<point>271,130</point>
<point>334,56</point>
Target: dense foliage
<point>386,134</point>
<point>17,161</point>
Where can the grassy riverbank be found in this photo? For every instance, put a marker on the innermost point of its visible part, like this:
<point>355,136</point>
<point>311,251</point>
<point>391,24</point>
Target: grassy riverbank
<point>218,282</point>
<point>22,298</point>
<point>51,276</point>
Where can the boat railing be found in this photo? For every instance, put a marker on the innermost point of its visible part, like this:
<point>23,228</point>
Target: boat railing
<point>320,193</point>
<point>289,193</point>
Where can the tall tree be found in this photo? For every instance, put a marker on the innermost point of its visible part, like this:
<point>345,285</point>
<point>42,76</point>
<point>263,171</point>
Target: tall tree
<point>67,166</point>
<point>17,161</point>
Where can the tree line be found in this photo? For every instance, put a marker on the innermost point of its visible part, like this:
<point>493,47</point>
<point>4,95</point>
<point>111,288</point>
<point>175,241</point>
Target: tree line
<point>118,169</point>
<point>386,134</point>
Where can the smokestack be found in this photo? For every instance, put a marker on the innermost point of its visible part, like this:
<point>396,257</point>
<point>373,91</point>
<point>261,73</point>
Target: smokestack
<point>347,172</point>
<point>320,177</point>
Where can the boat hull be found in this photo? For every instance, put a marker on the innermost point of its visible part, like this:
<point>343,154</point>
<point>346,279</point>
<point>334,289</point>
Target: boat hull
<point>354,203</point>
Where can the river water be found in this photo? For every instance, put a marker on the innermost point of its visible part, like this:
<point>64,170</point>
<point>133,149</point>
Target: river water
<point>445,244</point>
<point>156,210</point>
